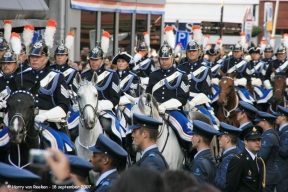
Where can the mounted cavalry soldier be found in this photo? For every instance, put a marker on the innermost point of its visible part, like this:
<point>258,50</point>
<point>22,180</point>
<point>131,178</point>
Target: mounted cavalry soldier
<point>144,64</point>
<point>259,76</point>
<point>52,101</point>
<point>241,66</point>
<point>170,88</point>
<point>109,88</point>
<point>22,59</point>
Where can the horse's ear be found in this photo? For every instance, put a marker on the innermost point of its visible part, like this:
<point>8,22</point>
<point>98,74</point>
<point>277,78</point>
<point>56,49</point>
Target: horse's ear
<point>94,78</point>
<point>234,74</point>
<point>148,97</point>
<point>35,88</point>
<point>12,85</point>
<point>221,73</point>
<point>78,78</point>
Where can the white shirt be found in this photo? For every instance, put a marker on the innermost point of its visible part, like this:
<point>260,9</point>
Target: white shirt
<point>251,154</point>
<point>282,126</point>
<point>241,126</point>
<point>104,175</point>
<point>199,152</point>
<point>148,148</point>
<point>229,149</point>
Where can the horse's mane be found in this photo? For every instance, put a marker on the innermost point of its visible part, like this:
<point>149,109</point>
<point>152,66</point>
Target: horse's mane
<point>195,115</point>
<point>147,98</point>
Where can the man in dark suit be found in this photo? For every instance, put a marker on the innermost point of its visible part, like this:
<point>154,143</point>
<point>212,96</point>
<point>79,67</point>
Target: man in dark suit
<point>246,172</point>
<point>227,141</point>
<point>106,156</point>
<point>246,113</point>
<point>204,164</point>
<point>144,134</point>
<point>282,121</point>
<point>270,144</point>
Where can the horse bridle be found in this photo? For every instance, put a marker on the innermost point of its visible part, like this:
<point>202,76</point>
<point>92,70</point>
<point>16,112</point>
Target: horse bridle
<point>222,92</point>
<point>81,115</point>
<point>20,116</point>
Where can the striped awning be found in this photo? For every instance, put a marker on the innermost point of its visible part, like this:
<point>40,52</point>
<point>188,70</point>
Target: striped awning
<point>117,6</point>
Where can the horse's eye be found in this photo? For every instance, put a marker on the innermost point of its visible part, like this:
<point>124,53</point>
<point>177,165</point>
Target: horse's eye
<point>96,95</point>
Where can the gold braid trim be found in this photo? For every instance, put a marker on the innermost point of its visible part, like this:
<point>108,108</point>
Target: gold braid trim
<point>264,169</point>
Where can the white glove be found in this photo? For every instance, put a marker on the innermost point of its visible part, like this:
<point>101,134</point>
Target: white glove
<point>104,105</point>
<point>241,82</point>
<point>215,81</point>
<point>256,81</point>
<point>3,104</point>
<point>199,99</point>
<point>137,57</point>
<point>124,100</point>
<point>171,104</point>
<point>41,118</point>
<point>267,84</point>
<point>55,114</point>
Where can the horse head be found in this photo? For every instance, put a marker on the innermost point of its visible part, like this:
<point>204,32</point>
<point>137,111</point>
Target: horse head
<point>87,97</point>
<point>227,87</point>
<point>20,109</point>
<point>278,89</point>
<point>147,105</point>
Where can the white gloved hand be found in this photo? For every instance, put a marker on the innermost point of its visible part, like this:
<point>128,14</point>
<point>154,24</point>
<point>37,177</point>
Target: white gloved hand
<point>41,118</point>
<point>256,81</point>
<point>104,105</point>
<point>161,109</point>
<point>215,81</point>
<point>3,104</point>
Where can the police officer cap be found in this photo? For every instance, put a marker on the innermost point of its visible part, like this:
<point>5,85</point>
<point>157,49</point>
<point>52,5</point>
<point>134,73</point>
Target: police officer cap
<point>281,111</point>
<point>144,121</point>
<point>128,58</point>
<point>108,147</point>
<point>246,107</point>
<point>237,47</point>
<point>79,166</point>
<point>225,128</point>
<point>268,48</point>
<point>251,132</point>
<point>254,50</point>
<point>204,129</point>
<point>281,49</point>
<point>263,116</point>
<point>10,175</point>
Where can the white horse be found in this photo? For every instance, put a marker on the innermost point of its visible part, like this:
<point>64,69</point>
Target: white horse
<point>167,141</point>
<point>87,96</point>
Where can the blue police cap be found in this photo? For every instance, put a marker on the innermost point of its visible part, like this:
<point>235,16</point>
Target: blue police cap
<point>79,166</point>
<point>204,129</point>
<point>246,107</point>
<point>10,175</point>
<point>225,128</point>
<point>144,121</point>
<point>107,146</point>
<point>281,111</point>
<point>264,116</point>
<point>251,132</point>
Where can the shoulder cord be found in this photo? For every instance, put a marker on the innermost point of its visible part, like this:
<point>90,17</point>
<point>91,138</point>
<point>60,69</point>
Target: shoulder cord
<point>200,79</point>
<point>264,170</point>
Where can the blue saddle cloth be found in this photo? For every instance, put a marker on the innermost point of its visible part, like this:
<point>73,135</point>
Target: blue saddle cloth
<point>204,111</point>
<point>73,120</point>
<point>264,94</point>
<point>180,124</point>
<point>245,95</point>
<point>116,126</point>
<point>4,137</point>
<point>215,93</point>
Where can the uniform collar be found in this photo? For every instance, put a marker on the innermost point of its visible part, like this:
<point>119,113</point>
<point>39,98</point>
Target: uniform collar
<point>100,70</point>
<point>251,154</point>
<point>7,77</point>
<point>148,148</point>
<point>229,149</point>
<point>39,73</point>
<point>239,59</point>
<point>167,71</point>
<point>282,126</point>
<point>194,64</point>
<point>244,124</point>
<point>123,73</point>
<point>200,152</point>
<point>104,175</point>
<point>63,67</point>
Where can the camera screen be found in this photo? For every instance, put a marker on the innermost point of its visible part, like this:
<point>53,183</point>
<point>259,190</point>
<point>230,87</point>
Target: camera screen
<point>39,159</point>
